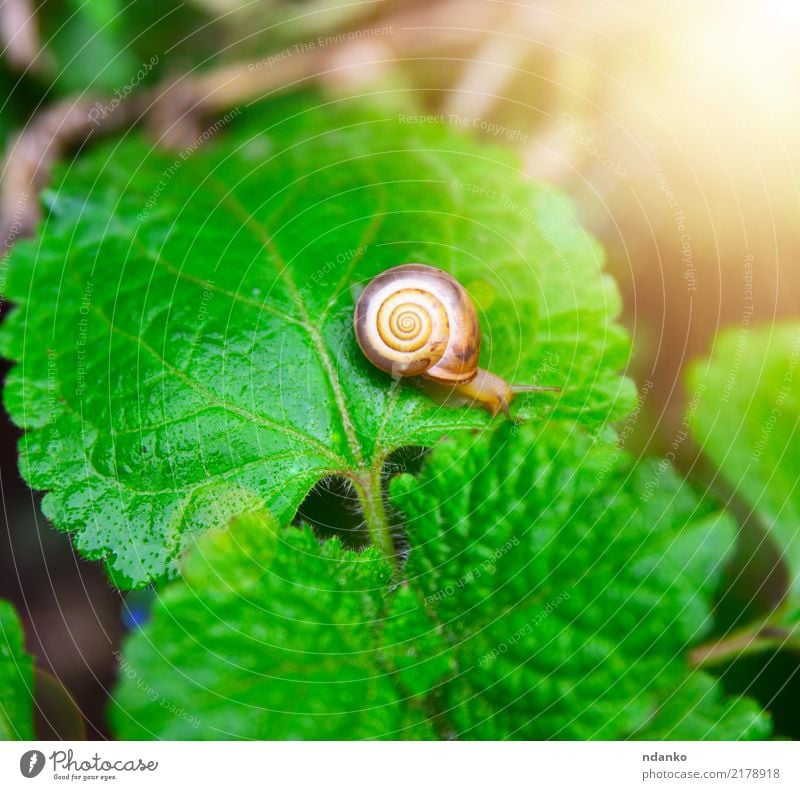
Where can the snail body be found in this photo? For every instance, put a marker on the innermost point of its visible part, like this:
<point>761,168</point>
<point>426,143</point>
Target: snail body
<point>416,320</point>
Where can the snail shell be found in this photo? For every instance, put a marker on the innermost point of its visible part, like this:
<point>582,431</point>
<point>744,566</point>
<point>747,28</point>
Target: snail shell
<point>416,320</point>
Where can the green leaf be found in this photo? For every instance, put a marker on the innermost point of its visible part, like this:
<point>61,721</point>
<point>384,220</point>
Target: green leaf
<point>546,595</point>
<point>184,328</point>
<point>87,44</point>
<point>268,636</point>
<point>564,586</point>
<point>16,679</point>
<point>746,417</point>
<point>110,48</point>
<point>697,710</point>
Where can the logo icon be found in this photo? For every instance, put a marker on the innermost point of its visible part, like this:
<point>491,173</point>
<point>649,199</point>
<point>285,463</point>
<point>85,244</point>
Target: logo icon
<point>31,763</point>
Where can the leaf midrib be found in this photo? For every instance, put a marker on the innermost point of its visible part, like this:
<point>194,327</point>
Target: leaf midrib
<point>261,232</point>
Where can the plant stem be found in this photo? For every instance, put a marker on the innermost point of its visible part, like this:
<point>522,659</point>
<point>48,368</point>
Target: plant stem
<point>769,634</point>
<point>370,494</point>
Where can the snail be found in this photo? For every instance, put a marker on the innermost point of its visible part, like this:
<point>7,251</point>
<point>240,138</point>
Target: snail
<point>416,320</point>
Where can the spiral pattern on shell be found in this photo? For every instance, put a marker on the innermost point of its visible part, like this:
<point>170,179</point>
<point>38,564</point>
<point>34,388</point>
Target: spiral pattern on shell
<point>417,320</point>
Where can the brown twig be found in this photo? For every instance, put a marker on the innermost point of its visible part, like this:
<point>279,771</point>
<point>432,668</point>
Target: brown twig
<point>171,109</point>
<point>29,161</point>
<point>771,634</point>
<point>19,35</point>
